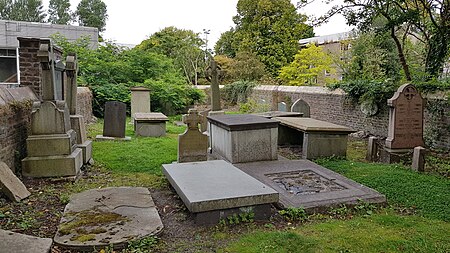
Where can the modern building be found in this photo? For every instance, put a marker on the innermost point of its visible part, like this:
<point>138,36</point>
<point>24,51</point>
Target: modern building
<point>10,66</point>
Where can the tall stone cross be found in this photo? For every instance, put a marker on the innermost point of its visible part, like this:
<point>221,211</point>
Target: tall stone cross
<point>215,91</point>
<point>71,73</point>
<point>47,59</point>
<point>192,119</point>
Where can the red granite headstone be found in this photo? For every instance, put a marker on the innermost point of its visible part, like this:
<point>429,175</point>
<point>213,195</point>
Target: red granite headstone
<point>405,118</point>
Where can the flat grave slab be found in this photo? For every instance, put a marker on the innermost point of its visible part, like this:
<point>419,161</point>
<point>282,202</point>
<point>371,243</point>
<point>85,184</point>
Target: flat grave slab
<point>20,243</point>
<point>243,138</point>
<point>111,216</point>
<point>272,114</point>
<point>302,183</point>
<point>312,125</point>
<point>217,186</point>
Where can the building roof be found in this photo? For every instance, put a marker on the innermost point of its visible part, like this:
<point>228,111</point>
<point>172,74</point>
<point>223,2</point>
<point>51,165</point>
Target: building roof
<point>327,38</point>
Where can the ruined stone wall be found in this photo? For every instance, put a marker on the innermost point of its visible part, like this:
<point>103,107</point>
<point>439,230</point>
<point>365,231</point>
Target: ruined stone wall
<point>15,113</point>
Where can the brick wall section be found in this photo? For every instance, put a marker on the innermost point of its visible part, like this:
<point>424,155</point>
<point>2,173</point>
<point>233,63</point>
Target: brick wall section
<point>29,65</point>
<point>15,112</point>
<point>84,104</point>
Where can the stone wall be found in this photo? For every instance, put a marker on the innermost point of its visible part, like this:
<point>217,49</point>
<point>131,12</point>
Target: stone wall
<point>15,112</point>
<point>335,107</point>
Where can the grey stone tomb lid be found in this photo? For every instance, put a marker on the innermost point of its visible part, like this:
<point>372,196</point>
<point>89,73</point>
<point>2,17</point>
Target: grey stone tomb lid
<point>241,122</point>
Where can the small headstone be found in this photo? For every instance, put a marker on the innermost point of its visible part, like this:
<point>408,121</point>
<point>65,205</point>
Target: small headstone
<point>372,149</point>
<point>282,107</point>
<point>192,144</point>
<point>418,162</point>
<point>10,185</point>
<point>18,243</point>
<point>301,106</point>
<point>405,119</point>
<point>115,119</point>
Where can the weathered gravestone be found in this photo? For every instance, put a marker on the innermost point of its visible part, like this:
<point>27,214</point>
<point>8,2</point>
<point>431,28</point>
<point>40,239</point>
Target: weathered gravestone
<point>282,107</point>
<point>213,70</point>
<point>140,100</point>
<point>114,122</point>
<point>192,144</point>
<point>405,124</point>
<point>301,106</point>
<point>76,120</point>
<point>10,185</point>
<point>50,128</point>
<point>405,118</point>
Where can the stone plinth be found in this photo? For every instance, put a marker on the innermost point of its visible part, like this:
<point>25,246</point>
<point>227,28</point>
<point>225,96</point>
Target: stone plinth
<point>110,217</point>
<point>77,123</point>
<point>150,124</point>
<point>140,101</point>
<point>213,189</point>
<point>53,166</point>
<point>318,138</point>
<point>243,138</point>
<point>302,183</point>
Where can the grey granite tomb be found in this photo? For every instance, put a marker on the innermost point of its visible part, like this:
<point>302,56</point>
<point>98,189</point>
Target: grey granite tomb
<point>302,183</point>
<point>243,138</point>
<point>212,190</point>
<point>115,122</point>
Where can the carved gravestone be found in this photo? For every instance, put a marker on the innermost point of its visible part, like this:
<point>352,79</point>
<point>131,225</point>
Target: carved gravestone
<point>301,106</point>
<point>405,119</point>
<point>192,144</point>
<point>115,119</point>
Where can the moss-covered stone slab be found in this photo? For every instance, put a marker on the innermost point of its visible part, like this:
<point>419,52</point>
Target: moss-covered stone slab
<point>111,216</point>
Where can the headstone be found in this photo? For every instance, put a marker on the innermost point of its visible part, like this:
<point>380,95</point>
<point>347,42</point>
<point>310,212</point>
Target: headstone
<point>51,128</point>
<point>215,91</point>
<point>301,106</point>
<point>418,161</point>
<point>282,107</point>
<point>140,100</point>
<point>76,121</point>
<point>192,144</point>
<point>405,119</point>
<point>11,242</point>
<point>372,149</point>
<point>115,119</point>
<point>10,185</point>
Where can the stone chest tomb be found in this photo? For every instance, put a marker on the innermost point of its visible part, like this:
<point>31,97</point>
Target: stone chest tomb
<point>243,138</point>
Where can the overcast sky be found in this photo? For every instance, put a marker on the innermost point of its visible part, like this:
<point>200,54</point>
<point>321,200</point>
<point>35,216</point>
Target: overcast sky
<point>132,21</point>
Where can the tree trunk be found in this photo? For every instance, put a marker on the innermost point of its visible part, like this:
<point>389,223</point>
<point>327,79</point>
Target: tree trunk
<point>401,55</point>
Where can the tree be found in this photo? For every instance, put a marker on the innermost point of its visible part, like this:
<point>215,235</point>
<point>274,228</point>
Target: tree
<point>59,12</point>
<point>309,64</point>
<point>426,20</point>
<point>92,13</point>
<point>224,46</point>
<point>269,28</point>
<point>22,10</point>
<point>247,67</point>
<point>183,46</point>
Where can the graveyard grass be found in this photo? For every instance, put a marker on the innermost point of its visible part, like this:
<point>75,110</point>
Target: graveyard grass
<point>415,220</point>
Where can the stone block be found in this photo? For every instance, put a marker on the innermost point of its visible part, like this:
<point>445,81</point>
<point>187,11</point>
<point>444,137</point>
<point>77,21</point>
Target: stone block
<point>150,124</point>
<point>86,149</point>
<point>78,125</point>
<point>55,144</point>
<point>372,149</point>
<point>10,185</point>
<point>316,145</point>
<point>418,161</point>
<point>53,166</point>
<point>19,243</point>
<point>140,100</point>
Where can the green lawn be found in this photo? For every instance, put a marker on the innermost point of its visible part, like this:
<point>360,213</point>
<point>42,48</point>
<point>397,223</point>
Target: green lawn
<point>424,198</point>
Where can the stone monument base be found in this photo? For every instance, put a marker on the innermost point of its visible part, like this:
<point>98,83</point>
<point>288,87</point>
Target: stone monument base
<point>109,138</point>
<point>388,155</point>
<point>53,166</point>
<point>86,148</point>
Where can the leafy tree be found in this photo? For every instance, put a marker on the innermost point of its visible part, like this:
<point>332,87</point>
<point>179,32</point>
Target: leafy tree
<point>92,13</point>
<point>59,12</point>
<point>247,67</point>
<point>183,46</point>
<point>269,28</point>
<point>308,65</point>
<point>22,10</point>
<point>224,46</point>
<point>427,20</point>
